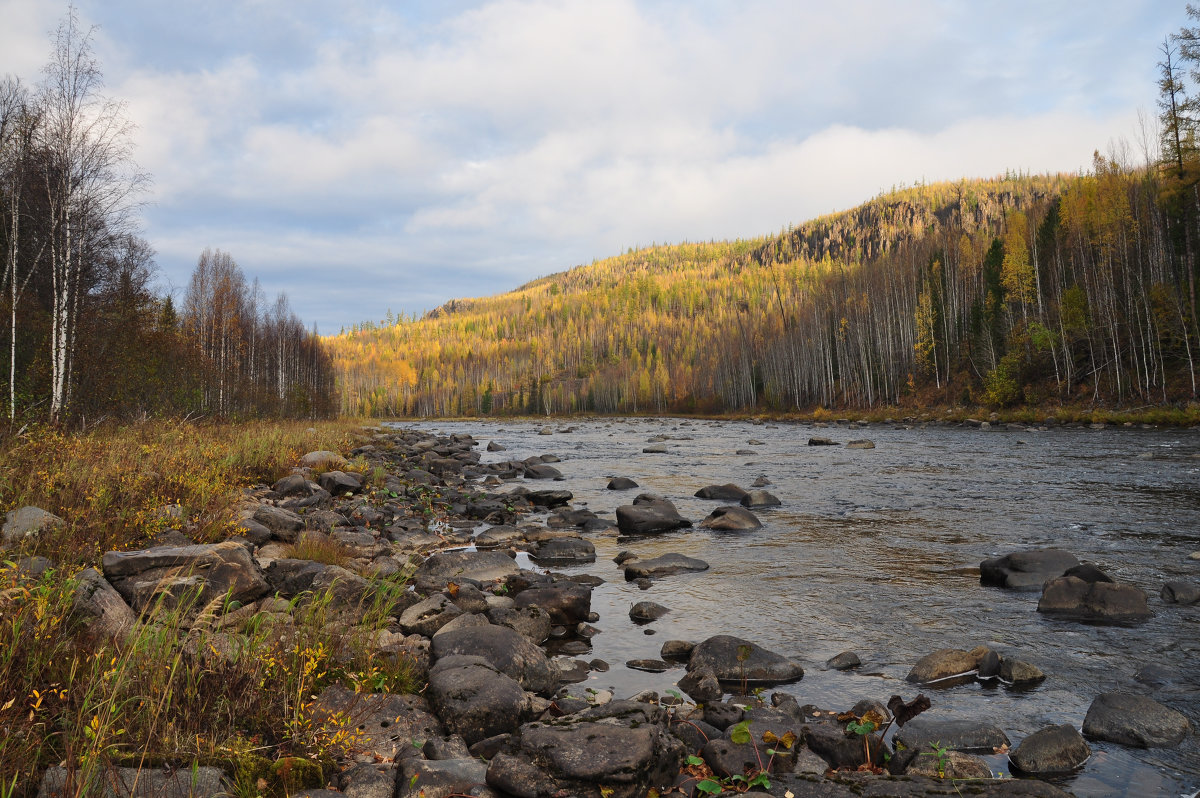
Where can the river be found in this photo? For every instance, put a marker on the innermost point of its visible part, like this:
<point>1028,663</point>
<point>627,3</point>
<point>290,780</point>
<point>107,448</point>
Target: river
<point>877,551</point>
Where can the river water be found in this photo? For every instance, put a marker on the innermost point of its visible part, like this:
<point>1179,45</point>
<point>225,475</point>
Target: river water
<point>877,551</point>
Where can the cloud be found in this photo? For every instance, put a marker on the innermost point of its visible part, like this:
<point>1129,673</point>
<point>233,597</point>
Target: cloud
<point>434,149</point>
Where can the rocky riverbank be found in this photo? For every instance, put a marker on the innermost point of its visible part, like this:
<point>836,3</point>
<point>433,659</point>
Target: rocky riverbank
<point>502,716</point>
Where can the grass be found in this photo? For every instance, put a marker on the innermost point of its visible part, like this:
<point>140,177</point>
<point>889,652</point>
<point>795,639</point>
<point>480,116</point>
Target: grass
<point>181,688</point>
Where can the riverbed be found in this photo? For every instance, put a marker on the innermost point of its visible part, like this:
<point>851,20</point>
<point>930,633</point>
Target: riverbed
<point>876,551</point>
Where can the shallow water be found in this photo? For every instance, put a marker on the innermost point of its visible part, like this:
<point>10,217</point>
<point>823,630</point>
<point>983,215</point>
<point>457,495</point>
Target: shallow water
<point>877,551</point>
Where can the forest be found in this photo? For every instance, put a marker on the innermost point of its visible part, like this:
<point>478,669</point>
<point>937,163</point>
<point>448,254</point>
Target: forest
<point>1021,290</point>
<point>85,336</point>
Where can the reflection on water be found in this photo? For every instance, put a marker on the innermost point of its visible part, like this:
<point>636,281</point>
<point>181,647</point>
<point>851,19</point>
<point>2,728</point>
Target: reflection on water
<point>877,551</point>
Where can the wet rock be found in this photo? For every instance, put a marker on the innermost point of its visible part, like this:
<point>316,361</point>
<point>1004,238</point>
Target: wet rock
<point>1074,598</point>
<point>760,498</point>
<point>645,611</point>
<point>495,447</point>
<point>761,482</point>
<point>844,661</point>
<point>506,649</point>
<point>942,664</point>
<point>727,492</point>
<point>734,660</point>
<point>666,565</point>
<point>649,514</point>
<point>958,734</point>
<point>676,649</point>
<point>1054,749</point>
<point>1179,592</point>
<point>197,573</point>
<point>567,603</point>
<point>1134,720</point>
<point>588,759</point>
<point>100,608</point>
<point>648,665</point>
<point>565,551</point>
<point>474,699</point>
<point>542,471</point>
<point>989,664</point>
<point>1015,671</point>
<point>549,498</point>
<point>821,441</point>
<point>860,443</point>
<point>621,483</point>
<point>445,567</point>
<point>498,536</point>
<point>1088,573</point>
<point>1025,570</point>
<point>731,519</point>
<point>657,448</point>
<point>701,685</point>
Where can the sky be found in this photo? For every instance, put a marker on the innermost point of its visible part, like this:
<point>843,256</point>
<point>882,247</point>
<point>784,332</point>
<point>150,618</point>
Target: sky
<point>367,157</point>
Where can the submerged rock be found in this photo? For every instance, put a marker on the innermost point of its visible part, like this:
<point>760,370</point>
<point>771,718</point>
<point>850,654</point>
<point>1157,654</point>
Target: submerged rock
<point>666,565</point>
<point>731,519</point>
<point>727,492</point>
<point>1179,592</point>
<point>1025,570</point>
<point>1074,598</point>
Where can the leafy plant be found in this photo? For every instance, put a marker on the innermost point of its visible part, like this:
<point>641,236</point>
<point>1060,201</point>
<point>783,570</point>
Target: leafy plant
<point>942,754</point>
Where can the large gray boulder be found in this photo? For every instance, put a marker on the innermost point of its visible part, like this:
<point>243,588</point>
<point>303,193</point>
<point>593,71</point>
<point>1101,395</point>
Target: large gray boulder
<point>565,551</point>
<point>284,524</point>
<point>449,566</point>
<point>960,734</point>
<point>1054,749</point>
<point>1134,720</point>
<point>566,602</point>
<point>428,616</point>
<point>100,608</point>
<point>607,758</point>
<point>505,649</point>
<point>942,664</point>
<point>27,522</point>
<point>665,565</point>
<point>323,459</point>
<point>733,660</point>
<point>474,699</point>
<point>1026,570</point>
<point>387,725</point>
<point>648,515</point>
<point>1112,602</point>
<point>179,573</point>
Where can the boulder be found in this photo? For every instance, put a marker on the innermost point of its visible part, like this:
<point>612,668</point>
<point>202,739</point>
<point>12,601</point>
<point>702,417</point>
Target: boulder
<point>495,447</point>
<point>498,536</point>
<point>1025,570</point>
<point>666,565</point>
<point>100,608</point>
<point>1179,592</point>
<point>180,573</point>
<point>27,522</point>
<point>428,616</point>
<point>565,551</point>
<point>474,699</point>
<point>1015,671</point>
<point>960,734</point>
<point>1074,598</point>
<point>845,661</point>
<point>821,441</point>
<point>567,603</point>
<point>201,782</point>
<point>339,483</point>
<point>649,514</point>
<point>957,766</point>
<point>731,519</point>
<point>646,611</point>
<point>449,566</point>
<point>657,448</point>
<point>549,498</point>
<point>733,660</point>
<point>533,622</point>
<point>760,498</point>
<point>1054,749</point>
<point>1134,720</point>
<point>726,493</point>
<point>505,649</point>
<point>542,471</point>
<point>293,485</point>
<point>284,524</point>
<point>701,685</point>
<point>388,726</point>
<point>590,759</point>
<point>648,665</point>
<point>421,778</point>
<point>944,663</point>
<point>621,483</point>
<point>346,590</point>
<point>860,443</point>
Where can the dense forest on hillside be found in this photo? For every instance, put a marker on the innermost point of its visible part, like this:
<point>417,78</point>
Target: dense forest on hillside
<point>1018,290</point>
<point>84,334</point>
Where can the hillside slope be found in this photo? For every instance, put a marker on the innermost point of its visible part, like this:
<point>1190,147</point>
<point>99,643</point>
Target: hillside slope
<point>1022,288</point>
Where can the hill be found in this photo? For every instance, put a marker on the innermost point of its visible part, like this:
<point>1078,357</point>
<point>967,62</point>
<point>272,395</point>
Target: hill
<point>1010,290</point>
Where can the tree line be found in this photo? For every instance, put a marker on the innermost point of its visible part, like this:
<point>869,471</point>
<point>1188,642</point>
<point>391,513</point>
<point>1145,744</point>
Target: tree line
<point>1018,290</point>
<point>86,336</point>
